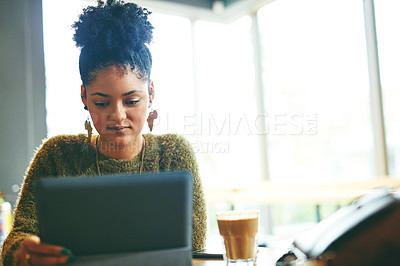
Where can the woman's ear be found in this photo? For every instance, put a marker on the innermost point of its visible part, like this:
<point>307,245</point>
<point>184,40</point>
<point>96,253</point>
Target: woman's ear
<point>151,93</point>
<point>83,95</point>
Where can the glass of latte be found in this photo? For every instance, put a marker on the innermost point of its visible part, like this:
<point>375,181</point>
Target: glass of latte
<point>238,230</point>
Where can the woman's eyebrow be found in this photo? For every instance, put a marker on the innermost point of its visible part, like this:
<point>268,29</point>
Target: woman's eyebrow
<point>108,96</point>
<point>101,94</point>
<point>129,92</point>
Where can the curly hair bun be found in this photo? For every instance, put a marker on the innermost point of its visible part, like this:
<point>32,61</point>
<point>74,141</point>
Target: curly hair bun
<point>113,33</point>
<point>114,24</point>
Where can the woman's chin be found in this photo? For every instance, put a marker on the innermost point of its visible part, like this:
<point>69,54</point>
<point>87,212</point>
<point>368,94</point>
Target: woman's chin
<point>118,139</point>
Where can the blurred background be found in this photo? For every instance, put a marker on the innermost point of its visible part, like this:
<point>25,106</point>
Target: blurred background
<point>292,107</point>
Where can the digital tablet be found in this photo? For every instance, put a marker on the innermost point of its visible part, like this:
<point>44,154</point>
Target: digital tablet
<point>119,213</point>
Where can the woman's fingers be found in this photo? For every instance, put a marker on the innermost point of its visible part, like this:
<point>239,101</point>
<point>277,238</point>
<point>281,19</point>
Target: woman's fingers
<point>33,245</point>
<point>33,252</point>
<point>22,255</point>
<point>40,259</point>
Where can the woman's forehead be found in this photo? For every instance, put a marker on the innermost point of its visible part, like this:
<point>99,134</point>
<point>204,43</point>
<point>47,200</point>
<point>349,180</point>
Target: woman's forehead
<point>116,79</point>
<point>117,71</point>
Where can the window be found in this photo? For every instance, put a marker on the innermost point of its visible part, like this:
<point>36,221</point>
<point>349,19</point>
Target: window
<point>172,72</point>
<point>227,146</point>
<point>316,90</point>
<point>65,114</point>
<point>227,104</point>
<point>316,95</point>
<point>387,25</point>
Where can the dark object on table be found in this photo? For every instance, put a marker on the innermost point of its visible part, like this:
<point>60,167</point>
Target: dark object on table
<point>207,254</point>
<point>366,232</point>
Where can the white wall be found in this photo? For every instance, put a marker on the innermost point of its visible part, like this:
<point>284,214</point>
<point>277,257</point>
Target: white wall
<point>22,89</point>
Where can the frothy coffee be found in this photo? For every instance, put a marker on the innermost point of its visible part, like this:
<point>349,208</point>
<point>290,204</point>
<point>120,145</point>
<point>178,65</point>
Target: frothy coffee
<point>239,231</point>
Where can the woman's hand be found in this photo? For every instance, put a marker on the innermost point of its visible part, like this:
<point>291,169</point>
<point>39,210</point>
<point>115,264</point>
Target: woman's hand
<point>33,252</point>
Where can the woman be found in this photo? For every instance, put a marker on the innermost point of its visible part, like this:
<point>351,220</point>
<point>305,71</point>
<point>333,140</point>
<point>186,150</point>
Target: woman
<point>115,65</point>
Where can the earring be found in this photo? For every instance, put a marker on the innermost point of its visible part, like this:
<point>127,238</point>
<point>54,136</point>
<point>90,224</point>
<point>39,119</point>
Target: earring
<point>89,129</point>
<point>150,120</point>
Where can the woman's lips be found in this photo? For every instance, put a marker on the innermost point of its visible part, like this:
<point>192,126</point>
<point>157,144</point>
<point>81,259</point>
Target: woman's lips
<point>119,129</point>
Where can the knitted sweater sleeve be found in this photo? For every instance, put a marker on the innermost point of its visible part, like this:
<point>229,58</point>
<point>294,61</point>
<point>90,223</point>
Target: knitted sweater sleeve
<point>184,158</point>
<point>25,218</point>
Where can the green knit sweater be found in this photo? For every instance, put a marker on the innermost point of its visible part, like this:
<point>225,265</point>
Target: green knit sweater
<point>74,156</point>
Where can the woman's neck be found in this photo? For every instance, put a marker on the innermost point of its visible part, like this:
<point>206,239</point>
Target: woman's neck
<point>120,152</point>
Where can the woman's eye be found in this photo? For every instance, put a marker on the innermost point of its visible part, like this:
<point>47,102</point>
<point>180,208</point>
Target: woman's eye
<point>101,104</point>
<point>132,102</point>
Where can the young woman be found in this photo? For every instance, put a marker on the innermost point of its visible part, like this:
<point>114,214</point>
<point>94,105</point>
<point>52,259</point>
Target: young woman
<point>115,65</point>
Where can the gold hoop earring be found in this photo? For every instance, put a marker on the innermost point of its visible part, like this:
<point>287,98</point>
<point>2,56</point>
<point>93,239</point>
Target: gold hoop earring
<point>89,129</point>
<point>150,120</point>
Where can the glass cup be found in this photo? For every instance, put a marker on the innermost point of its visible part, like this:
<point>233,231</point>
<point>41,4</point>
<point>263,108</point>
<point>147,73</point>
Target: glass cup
<point>238,230</point>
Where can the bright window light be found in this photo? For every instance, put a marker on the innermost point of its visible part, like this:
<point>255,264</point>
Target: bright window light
<point>227,104</point>
<point>65,113</point>
<point>387,25</point>
<point>316,90</point>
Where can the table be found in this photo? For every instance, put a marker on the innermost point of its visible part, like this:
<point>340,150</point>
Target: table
<point>265,256</point>
<point>269,192</point>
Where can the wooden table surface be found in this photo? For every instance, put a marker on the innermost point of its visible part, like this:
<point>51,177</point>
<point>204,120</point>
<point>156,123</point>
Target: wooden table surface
<point>265,256</point>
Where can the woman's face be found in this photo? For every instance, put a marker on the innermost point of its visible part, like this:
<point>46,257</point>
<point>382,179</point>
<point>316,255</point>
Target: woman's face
<point>118,101</point>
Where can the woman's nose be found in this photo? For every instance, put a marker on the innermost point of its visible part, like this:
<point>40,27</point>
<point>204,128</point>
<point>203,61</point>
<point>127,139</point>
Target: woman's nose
<point>118,113</point>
